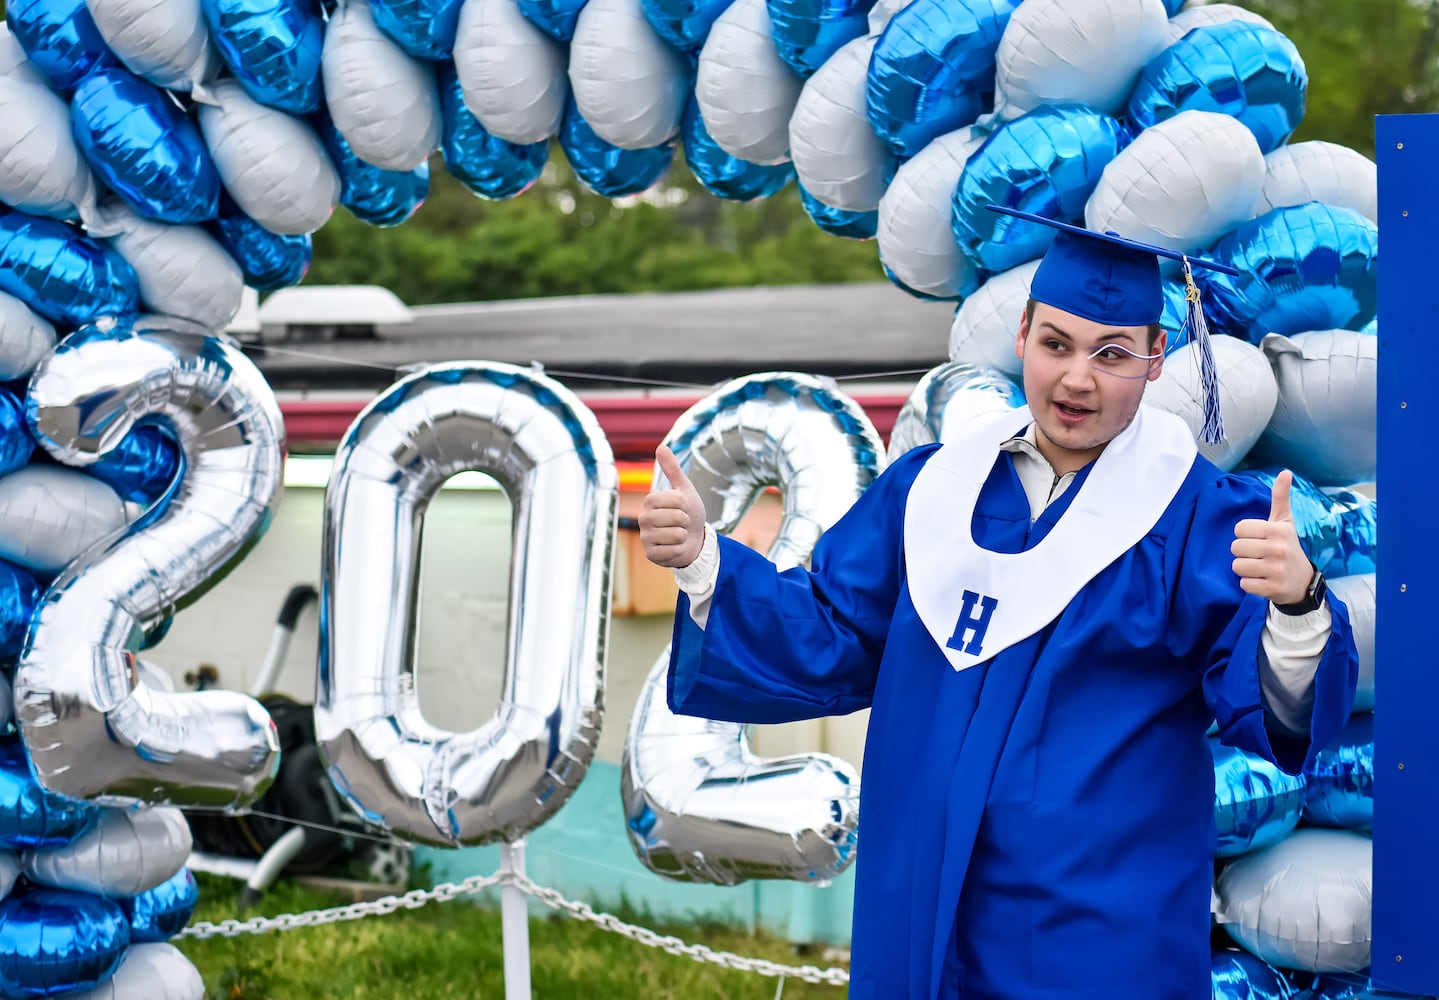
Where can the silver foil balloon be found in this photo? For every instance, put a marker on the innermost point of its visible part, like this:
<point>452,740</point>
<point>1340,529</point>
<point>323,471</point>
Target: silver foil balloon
<point>946,400</point>
<point>9,872</point>
<point>128,852</point>
<point>1326,424</point>
<point>94,730</point>
<point>1304,903</point>
<point>549,454</point>
<point>699,805</point>
<point>1360,597</point>
<point>149,972</point>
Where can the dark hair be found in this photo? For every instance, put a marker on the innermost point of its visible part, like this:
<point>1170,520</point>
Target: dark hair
<point>1154,329</point>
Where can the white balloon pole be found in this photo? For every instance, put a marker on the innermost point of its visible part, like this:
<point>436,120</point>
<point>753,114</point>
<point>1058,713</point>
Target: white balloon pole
<point>515,923</point>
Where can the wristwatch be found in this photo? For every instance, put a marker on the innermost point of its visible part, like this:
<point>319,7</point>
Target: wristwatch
<point>1313,596</point>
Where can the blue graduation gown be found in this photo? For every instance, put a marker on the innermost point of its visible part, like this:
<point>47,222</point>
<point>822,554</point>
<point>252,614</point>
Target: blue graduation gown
<point>1040,826</point>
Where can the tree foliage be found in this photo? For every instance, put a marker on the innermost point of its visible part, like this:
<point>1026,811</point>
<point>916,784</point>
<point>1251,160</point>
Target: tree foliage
<point>1364,57</point>
<point>559,239</point>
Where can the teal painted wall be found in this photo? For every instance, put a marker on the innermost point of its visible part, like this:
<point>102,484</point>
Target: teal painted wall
<point>583,852</point>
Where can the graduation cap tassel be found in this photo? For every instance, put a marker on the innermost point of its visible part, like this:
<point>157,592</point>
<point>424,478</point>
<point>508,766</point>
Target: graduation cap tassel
<point>1198,330</point>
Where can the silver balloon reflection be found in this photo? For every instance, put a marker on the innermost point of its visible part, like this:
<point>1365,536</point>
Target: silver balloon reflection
<point>946,400</point>
<point>149,971</point>
<point>547,451</point>
<point>699,805</point>
<point>94,729</point>
<point>129,851</point>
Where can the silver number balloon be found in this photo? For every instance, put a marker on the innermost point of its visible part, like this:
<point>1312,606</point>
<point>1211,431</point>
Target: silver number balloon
<point>946,400</point>
<point>700,806</point>
<point>93,728</point>
<point>548,452</point>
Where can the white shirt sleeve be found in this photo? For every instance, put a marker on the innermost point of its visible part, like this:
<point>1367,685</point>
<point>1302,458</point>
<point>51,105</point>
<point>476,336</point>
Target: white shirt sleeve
<point>1292,646</point>
<point>699,577</point>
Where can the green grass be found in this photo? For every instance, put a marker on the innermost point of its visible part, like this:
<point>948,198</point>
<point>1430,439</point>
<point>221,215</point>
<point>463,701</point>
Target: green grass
<point>453,950</point>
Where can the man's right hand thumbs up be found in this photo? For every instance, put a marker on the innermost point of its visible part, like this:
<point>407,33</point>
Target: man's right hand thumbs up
<point>672,524</point>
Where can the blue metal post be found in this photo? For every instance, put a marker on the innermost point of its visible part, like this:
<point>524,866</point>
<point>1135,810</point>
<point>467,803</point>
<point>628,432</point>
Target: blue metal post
<point>1406,740</point>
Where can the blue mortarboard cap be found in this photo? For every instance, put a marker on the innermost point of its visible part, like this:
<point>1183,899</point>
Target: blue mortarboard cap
<point>1102,276</point>
<point>1108,279</point>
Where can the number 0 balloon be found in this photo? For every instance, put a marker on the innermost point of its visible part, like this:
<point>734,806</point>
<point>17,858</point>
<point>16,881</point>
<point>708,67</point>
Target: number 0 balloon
<point>546,449</point>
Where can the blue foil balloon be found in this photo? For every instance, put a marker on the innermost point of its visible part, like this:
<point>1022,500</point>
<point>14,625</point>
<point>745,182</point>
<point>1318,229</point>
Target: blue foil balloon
<point>685,24</point>
<point>62,275</point>
<point>1305,267</point>
<point>60,37</point>
<point>1340,986</point>
<point>555,18</point>
<point>1357,519</point>
<point>1238,975</point>
<point>16,444</point>
<point>1255,803</point>
<point>837,221</point>
<point>54,941</point>
<point>807,32</point>
<point>605,169</point>
<point>487,165</point>
<point>163,912</point>
<point>723,175</point>
<point>141,467</point>
<point>1339,789</point>
<point>1047,162</point>
<point>1337,528</point>
<point>18,593</point>
<point>383,198</point>
<point>144,147</point>
<point>423,28</point>
<point>30,816</point>
<point>931,69</point>
<point>267,260</point>
<point>1236,68</point>
<point>272,47</point>
<point>1172,7</point>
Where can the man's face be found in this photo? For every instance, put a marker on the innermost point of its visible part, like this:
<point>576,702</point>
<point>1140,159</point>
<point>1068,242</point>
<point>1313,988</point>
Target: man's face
<point>1081,404</point>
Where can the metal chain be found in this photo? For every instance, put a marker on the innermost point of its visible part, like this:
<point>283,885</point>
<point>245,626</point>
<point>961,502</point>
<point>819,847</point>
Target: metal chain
<point>673,945</point>
<point>412,900</point>
<point>446,891</point>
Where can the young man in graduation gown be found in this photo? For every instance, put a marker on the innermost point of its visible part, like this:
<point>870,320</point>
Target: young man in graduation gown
<point>1044,615</point>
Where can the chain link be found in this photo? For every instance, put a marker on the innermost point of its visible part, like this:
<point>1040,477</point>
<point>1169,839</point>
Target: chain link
<point>412,900</point>
<point>673,945</point>
<point>446,891</point>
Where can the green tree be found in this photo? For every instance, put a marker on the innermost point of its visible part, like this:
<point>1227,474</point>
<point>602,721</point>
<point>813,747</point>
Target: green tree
<point>1365,58</point>
<point>560,239</point>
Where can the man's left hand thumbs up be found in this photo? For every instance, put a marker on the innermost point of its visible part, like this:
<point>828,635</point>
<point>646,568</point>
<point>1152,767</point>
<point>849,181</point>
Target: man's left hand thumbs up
<point>1268,558</point>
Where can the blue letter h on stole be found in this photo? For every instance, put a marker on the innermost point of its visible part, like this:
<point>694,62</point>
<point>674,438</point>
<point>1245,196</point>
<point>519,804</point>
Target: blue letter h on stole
<point>969,622</point>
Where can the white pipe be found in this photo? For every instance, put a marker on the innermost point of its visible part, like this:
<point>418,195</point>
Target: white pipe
<point>274,861</point>
<point>295,602</point>
<point>515,924</point>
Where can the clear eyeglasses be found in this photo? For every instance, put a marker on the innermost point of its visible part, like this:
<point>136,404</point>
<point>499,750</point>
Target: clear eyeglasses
<point>1119,361</point>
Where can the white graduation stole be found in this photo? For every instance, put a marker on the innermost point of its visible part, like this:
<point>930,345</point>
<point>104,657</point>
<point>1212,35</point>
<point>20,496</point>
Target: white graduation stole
<point>976,603</point>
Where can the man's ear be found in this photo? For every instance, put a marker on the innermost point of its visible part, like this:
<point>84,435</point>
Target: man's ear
<point>1021,336</point>
<point>1161,344</point>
